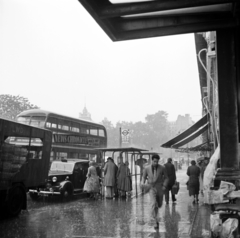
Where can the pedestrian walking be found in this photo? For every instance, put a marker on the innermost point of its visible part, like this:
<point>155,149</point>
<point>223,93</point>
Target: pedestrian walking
<point>109,177</point>
<point>193,172</point>
<point>91,184</point>
<point>123,179</point>
<point>170,169</point>
<point>157,181</point>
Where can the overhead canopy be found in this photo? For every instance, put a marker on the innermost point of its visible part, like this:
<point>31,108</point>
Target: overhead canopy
<point>122,149</point>
<point>129,19</point>
<point>202,147</point>
<point>190,134</point>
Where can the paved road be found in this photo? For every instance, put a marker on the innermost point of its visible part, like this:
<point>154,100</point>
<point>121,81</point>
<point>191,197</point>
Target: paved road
<point>109,218</point>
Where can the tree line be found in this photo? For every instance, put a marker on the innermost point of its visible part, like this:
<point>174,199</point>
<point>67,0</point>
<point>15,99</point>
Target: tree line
<point>149,135</point>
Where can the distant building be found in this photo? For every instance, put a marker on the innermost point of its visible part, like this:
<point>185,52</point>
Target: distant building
<point>85,115</point>
<point>182,123</point>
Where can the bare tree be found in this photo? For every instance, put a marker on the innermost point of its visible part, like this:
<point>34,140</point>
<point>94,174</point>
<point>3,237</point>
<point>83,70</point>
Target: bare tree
<point>11,106</point>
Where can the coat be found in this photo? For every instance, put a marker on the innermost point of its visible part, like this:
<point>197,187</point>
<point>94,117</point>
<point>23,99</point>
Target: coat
<point>193,172</point>
<point>123,178</point>
<point>160,180</point>
<point>110,174</point>
<point>171,174</point>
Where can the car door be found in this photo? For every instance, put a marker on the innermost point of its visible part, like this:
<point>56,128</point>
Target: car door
<point>77,176</point>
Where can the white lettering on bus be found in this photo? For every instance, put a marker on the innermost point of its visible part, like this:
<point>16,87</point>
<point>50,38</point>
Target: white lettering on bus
<point>69,139</point>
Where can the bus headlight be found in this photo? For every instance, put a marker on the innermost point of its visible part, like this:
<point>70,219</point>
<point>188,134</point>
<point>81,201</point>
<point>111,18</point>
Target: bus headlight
<point>54,179</point>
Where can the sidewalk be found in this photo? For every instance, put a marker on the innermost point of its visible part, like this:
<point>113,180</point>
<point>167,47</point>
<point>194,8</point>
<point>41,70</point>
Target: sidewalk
<point>131,217</point>
<point>176,220</point>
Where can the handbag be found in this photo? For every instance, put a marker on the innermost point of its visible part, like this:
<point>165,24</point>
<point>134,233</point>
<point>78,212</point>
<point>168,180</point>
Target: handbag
<point>175,188</point>
<point>146,187</point>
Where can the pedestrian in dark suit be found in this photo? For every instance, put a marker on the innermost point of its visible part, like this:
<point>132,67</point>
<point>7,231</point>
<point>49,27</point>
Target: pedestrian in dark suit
<point>157,181</point>
<point>171,180</point>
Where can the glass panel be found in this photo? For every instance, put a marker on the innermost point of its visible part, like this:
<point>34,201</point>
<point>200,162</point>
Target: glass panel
<point>84,130</point>
<point>48,124</point>
<point>94,131</point>
<point>65,128</point>
<point>93,157</point>
<point>101,132</point>
<point>73,155</point>
<point>24,120</point>
<point>83,156</point>
<point>61,166</point>
<point>38,121</point>
<point>75,129</point>
<point>54,125</point>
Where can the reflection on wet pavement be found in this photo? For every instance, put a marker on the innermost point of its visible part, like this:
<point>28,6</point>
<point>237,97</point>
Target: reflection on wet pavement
<point>107,218</point>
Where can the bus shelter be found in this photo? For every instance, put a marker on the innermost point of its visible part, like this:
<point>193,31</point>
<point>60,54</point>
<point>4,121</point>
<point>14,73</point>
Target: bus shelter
<point>123,154</point>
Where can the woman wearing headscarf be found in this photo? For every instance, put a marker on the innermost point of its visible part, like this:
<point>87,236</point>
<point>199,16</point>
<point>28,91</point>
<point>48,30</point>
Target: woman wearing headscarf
<point>124,179</point>
<point>193,172</point>
<point>92,183</point>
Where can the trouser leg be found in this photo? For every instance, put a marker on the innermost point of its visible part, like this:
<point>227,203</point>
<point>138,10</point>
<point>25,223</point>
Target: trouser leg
<point>173,197</point>
<point>154,205</point>
<point>167,195</point>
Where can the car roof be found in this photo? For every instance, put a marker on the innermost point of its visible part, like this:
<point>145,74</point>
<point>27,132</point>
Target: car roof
<point>72,161</point>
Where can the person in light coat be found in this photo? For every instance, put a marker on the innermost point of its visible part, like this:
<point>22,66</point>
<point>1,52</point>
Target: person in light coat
<point>157,180</point>
<point>109,177</point>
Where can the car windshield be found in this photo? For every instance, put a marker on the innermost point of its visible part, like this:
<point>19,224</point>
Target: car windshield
<point>61,166</point>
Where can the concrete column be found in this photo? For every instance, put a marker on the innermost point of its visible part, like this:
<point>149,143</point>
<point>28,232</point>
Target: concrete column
<point>228,100</point>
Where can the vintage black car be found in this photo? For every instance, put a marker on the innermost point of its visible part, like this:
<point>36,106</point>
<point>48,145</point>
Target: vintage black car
<point>65,178</point>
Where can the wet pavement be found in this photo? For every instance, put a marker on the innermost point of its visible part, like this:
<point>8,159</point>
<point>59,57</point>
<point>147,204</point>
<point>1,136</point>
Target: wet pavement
<point>110,218</point>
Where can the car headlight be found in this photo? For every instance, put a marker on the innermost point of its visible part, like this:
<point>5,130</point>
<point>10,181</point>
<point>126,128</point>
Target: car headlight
<point>54,179</point>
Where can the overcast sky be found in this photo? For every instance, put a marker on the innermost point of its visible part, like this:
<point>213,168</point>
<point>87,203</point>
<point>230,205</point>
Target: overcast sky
<point>56,55</point>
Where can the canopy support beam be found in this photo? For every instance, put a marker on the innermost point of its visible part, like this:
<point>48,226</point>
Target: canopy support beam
<point>228,108</point>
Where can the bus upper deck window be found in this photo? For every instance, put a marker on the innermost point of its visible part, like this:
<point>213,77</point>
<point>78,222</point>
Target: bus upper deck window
<point>84,130</point>
<point>101,132</point>
<point>65,128</point>
<point>54,125</point>
<point>94,131</point>
<point>24,120</point>
<point>38,121</point>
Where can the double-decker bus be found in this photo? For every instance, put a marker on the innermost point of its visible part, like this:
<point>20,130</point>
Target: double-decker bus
<point>72,137</point>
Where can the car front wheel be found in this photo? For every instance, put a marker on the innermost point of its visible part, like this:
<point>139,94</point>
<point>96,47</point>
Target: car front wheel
<point>66,192</point>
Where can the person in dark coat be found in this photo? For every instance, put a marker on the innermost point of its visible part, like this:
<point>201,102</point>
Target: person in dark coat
<point>110,177</point>
<point>171,180</point>
<point>193,172</point>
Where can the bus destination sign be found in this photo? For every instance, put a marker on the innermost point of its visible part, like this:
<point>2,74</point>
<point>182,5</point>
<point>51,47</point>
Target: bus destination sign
<point>74,139</point>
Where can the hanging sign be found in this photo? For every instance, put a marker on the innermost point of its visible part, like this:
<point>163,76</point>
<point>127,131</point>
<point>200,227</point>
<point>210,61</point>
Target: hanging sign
<point>125,136</point>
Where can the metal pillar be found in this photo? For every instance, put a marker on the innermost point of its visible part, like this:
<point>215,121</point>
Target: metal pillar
<point>228,108</point>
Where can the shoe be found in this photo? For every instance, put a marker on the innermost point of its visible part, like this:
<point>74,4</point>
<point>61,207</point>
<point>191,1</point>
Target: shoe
<point>194,202</point>
<point>156,227</point>
<point>175,200</point>
<point>197,201</point>
<point>167,203</point>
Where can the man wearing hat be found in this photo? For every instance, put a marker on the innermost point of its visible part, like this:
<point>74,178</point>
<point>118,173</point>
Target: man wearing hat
<point>171,180</point>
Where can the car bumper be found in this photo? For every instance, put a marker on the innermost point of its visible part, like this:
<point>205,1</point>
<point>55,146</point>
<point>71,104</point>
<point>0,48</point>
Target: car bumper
<point>44,192</point>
